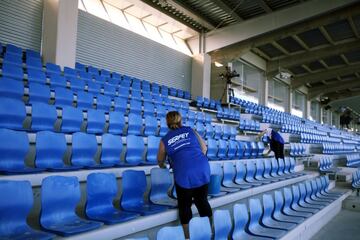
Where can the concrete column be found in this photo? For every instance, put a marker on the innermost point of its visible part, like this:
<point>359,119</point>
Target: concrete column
<point>307,109</point>
<point>264,91</point>
<point>321,115</point>
<point>201,71</point>
<point>289,103</point>
<point>60,19</point>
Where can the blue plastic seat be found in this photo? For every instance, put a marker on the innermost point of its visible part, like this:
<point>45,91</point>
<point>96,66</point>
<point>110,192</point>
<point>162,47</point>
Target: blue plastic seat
<point>120,104</point>
<point>288,201</point>
<point>134,150</point>
<point>32,54</point>
<point>136,95</point>
<point>152,149</point>
<point>43,116</point>
<point>226,132</point>
<point>147,97</point>
<point>11,88</point>
<point>84,100</point>
<point>199,228</point>
<point>260,147</point>
<point>248,149</point>
<point>161,182</point>
<point>212,149</point>
<point>103,102</point>
<point>15,208</point>
<point>260,169</point>
<point>229,176</point>
<point>298,204</point>
<point>111,149</point>
<point>110,90</point>
<point>268,221</point>
<point>135,106</point>
<point>95,121</point>
<point>232,149</point>
<point>241,219</point>
<point>93,71</point>
<point>76,84</point>
<point>12,71</point>
<point>116,122</point>
<point>13,59</point>
<point>70,72</point>
<point>250,174</point>
<point>123,92</point>
<point>57,81</point>
<point>15,50</point>
<point>163,127</point>
<point>39,93</point>
<point>151,126</point>
<point>80,66</point>
<point>94,87</point>
<point>50,151</point>
<point>34,63</point>
<point>101,190</point>
<point>52,68</point>
<point>71,119</point>
<point>216,169</point>
<point>58,210</point>
<point>222,224</point>
<point>12,119</point>
<point>222,152</point>
<point>37,76</point>
<point>254,149</point>
<point>135,124</point>
<point>133,190</point>
<point>240,149</point>
<point>256,211</point>
<point>173,233</point>
<point>209,130</point>
<point>13,151</point>
<point>84,148</point>
<point>63,96</point>
<point>149,109</point>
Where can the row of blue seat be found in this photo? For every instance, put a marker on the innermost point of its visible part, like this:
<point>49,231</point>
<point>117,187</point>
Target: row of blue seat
<point>203,102</point>
<point>301,129</point>
<point>353,160</point>
<point>271,219</point>
<point>227,113</point>
<point>326,165</point>
<point>60,195</point>
<point>297,149</point>
<point>333,148</point>
<point>249,125</point>
<point>41,92</point>
<point>17,51</point>
<point>230,178</point>
<point>312,138</point>
<point>223,150</point>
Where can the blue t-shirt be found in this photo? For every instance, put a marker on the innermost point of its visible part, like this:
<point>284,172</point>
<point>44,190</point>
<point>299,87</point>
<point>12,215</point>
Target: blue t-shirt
<point>191,167</point>
<point>275,136</point>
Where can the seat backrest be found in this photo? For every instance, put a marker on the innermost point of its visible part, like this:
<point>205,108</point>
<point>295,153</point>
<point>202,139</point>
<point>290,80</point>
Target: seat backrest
<point>71,119</point>
<point>116,122</point>
<point>281,166</point>
<point>222,153</point>
<point>152,149</point>
<point>268,203</point>
<point>240,172</point>
<point>241,218</point>
<point>135,124</point>
<point>59,197</point>
<point>134,149</point>
<point>199,228</point>
<point>14,207</point>
<point>95,121</point>
<point>161,181</point>
<point>101,189</point>
<point>274,167</point>
<point>111,149</point>
<point>84,148</point>
<point>250,170</point>
<point>13,149</point>
<point>212,149</point>
<point>222,224</point>
<point>170,232</point>
<point>288,197</point>
<point>259,169</point>
<point>11,88</point>
<point>12,119</point>
<point>240,149</point>
<point>256,211</point>
<point>254,149</point>
<point>50,149</point>
<point>279,202</point>
<point>151,125</point>
<point>43,116</point>
<point>229,172</point>
<point>133,188</point>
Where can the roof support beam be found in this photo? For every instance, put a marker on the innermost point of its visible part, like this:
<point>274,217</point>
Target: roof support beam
<point>336,96</point>
<point>302,58</point>
<point>182,8</point>
<point>231,42</point>
<point>317,91</point>
<point>327,74</point>
<point>227,9</point>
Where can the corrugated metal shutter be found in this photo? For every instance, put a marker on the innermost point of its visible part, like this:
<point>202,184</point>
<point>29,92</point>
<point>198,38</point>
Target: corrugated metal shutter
<point>21,23</point>
<point>105,45</point>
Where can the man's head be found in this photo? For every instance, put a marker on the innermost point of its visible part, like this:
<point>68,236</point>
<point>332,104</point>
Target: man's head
<point>173,120</point>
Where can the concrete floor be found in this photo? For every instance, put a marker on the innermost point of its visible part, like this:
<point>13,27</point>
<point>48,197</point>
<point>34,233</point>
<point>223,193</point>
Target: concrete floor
<point>345,226</point>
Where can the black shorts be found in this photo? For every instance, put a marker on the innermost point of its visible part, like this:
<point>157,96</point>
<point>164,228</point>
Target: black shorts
<point>185,199</point>
<point>278,149</point>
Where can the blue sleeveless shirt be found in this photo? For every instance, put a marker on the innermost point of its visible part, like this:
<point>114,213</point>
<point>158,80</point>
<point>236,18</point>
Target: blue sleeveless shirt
<point>191,167</point>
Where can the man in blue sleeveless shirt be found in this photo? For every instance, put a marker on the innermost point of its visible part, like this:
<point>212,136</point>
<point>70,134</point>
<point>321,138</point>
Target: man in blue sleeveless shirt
<point>186,151</point>
<point>276,142</point>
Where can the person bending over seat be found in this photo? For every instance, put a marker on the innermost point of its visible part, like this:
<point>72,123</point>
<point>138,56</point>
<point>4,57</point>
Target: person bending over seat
<point>186,152</point>
<point>276,142</point>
